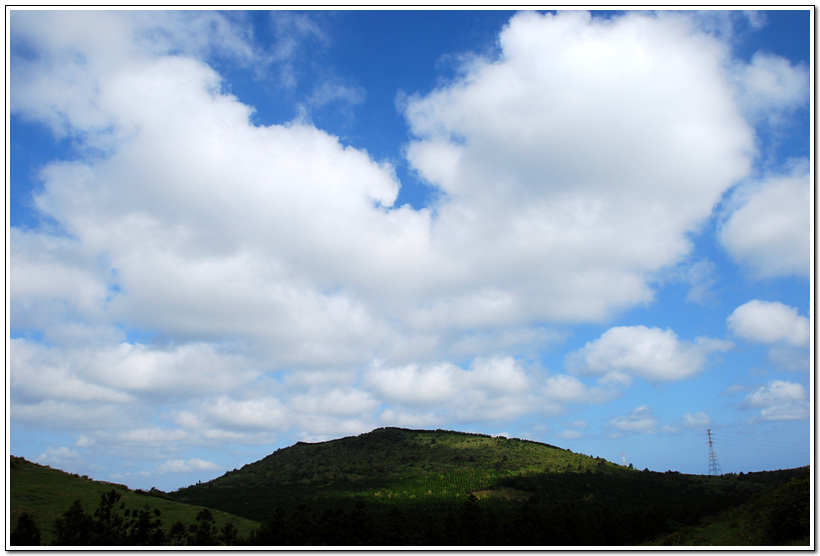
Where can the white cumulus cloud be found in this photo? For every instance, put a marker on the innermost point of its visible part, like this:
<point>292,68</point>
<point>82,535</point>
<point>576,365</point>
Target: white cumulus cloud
<point>699,420</point>
<point>652,353</point>
<point>775,392</point>
<point>767,224</point>
<point>564,151</point>
<point>57,456</point>
<point>639,420</point>
<point>778,400</point>
<point>182,466</point>
<point>275,279</point>
<point>769,322</point>
<point>770,85</point>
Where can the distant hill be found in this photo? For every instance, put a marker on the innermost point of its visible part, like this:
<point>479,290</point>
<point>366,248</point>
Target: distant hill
<point>447,487</point>
<point>46,494</point>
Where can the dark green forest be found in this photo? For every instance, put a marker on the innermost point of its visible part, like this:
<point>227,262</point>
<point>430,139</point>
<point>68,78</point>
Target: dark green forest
<point>398,487</point>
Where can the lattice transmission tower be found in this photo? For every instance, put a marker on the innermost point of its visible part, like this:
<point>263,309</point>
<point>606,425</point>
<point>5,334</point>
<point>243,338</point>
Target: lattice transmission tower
<point>714,465</point>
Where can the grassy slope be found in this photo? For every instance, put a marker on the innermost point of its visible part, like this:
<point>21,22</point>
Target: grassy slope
<point>46,493</point>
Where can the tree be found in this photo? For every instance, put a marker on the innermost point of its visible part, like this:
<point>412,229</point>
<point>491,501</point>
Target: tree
<point>271,532</point>
<point>333,527</point>
<point>205,533</point>
<point>74,528</point>
<point>26,533</point>
<point>361,525</point>
<point>110,524</point>
<point>178,535</point>
<point>790,512</point>
<point>394,529</point>
<point>145,527</point>
<point>228,535</point>
<point>300,526</point>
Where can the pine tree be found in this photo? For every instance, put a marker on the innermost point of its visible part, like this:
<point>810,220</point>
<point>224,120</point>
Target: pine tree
<point>26,533</point>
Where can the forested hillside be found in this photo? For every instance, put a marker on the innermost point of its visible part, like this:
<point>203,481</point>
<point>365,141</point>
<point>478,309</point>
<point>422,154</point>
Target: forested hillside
<point>387,466</point>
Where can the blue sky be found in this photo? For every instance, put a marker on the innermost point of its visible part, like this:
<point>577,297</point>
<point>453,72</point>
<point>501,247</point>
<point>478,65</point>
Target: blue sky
<point>230,231</point>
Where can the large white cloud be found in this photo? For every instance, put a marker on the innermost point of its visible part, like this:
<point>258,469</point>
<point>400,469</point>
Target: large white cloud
<point>652,353</point>
<point>574,183</point>
<point>60,54</point>
<point>571,169</point>
<point>574,165</point>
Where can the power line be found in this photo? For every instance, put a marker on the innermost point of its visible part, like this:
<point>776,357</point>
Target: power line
<point>758,443</point>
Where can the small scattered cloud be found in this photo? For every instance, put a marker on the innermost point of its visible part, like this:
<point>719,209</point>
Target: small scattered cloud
<point>771,86</point>
<point>769,322</point>
<point>58,456</point>
<point>765,224</point>
<point>785,412</point>
<point>334,402</point>
<point>264,413</point>
<point>445,382</point>
<point>565,389</point>
<point>153,436</point>
<point>499,388</point>
<point>733,25</point>
<point>777,325</point>
<point>332,91</point>
<point>778,400</point>
<point>701,277</point>
<point>184,466</point>
<point>734,389</point>
<point>790,358</point>
<point>640,420</point>
<point>775,392</point>
<point>652,353</point>
<point>84,441</point>
<point>574,430</point>
<point>571,434</point>
<point>699,420</point>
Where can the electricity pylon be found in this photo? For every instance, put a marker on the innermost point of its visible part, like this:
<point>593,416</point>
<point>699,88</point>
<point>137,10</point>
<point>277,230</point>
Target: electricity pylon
<point>714,466</point>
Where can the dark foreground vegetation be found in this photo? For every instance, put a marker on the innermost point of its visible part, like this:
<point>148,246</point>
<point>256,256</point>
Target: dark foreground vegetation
<point>395,487</point>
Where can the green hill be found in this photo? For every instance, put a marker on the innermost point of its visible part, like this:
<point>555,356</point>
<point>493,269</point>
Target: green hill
<point>387,466</point>
<point>417,487</point>
<point>46,494</point>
